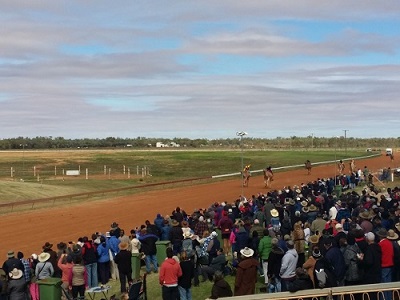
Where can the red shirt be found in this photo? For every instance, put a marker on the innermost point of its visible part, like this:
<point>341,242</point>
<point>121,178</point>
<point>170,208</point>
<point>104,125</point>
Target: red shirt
<point>387,253</point>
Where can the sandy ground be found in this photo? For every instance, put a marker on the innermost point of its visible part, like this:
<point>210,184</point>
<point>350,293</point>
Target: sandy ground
<point>28,231</point>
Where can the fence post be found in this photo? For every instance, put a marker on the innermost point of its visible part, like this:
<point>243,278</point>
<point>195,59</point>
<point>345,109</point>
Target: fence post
<point>55,170</point>
<point>109,173</point>
<point>129,173</point>
<point>124,169</point>
<point>105,170</point>
<point>34,171</point>
<point>12,172</point>
<point>87,173</point>
<point>137,170</point>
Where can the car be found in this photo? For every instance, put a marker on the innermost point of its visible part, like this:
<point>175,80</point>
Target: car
<point>369,150</point>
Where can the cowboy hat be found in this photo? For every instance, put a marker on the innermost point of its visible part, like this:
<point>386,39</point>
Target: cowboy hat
<point>47,245</point>
<point>175,223</point>
<point>44,256</point>
<point>305,209</point>
<point>392,235</point>
<point>314,239</point>
<point>292,202</point>
<point>123,246</point>
<point>313,207</point>
<point>15,274</point>
<point>304,203</point>
<point>247,252</point>
<point>365,214</point>
<point>274,213</point>
<point>382,233</point>
<point>10,254</point>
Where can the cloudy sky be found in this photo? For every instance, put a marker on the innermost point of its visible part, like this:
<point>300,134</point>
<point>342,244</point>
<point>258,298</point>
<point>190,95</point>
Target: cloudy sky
<point>199,69</point>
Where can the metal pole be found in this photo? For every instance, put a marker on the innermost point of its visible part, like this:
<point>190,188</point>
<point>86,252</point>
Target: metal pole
<point>241,134</point>
<point>345,141</point>
<point>335,159</point>
<point>312,140</point>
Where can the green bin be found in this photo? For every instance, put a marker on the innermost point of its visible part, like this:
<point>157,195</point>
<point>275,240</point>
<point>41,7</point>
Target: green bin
<point>161,250</point>
<point>338,190</point>
<point>136,264</point>
<point>50,288</point>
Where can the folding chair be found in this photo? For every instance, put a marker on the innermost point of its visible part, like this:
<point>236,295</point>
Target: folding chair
<point>138,290</point>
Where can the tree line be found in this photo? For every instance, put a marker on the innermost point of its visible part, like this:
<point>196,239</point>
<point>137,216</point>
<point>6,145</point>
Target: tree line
<point>293,142</point>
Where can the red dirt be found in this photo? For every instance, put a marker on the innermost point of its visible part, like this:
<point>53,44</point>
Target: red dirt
<point>28,231</point>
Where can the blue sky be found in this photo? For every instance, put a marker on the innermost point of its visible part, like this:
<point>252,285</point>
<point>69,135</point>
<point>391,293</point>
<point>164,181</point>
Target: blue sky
<point>199,69</point>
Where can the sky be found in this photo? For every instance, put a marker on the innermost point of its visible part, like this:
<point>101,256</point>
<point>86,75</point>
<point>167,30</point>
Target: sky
<point>199,69</point>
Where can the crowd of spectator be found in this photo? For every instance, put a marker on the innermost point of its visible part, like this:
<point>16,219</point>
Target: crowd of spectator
<point>287,236</point>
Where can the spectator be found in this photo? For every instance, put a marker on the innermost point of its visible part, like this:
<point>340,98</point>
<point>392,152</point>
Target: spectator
<point>220,288</point>
<point>246,274</point>
<point>176,237</point>
<point>217,264</point>
<point>264,250</point>
<point>44,269</point>
<point>16,288</point>
<point>123,260</point>
<point>288,266</point>
<point>274,262</point>
<point>185,281</point>
<point>302,281</point>
<point>78,278</point>
<point>148,242</point>
<point>103,260</point>
<point>169,273</point>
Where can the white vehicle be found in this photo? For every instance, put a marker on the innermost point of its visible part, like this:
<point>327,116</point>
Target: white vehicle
<point>389,151</point>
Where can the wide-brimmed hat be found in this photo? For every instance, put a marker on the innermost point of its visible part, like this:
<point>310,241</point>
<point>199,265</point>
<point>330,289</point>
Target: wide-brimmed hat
<point>15,274</point>
<point>365,214</point>
<point>304,203</point>
<point>292,202</point>
<point>185,223</point>
<point>382,232</point>
<point>10,254</point>
<point>305,209</point>
<point>47,245</point>
<point>274,213</point>
<point>187,235</point>
<point>314,239</point>
<point>313,207</point>
<point>397,225</point>
<point>175,223</point>
<point>123,246</point>
<point>247,252</point>
<point>287,201</point>
<point>62,246</point>
<point>298,191</point>
<point>392,235</point>
<point>44,256</point>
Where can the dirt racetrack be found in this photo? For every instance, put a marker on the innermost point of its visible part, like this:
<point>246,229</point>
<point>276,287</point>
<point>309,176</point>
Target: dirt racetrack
<point>28,231</point>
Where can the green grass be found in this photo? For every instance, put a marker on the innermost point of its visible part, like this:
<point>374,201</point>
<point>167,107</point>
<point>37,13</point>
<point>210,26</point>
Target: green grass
<point>163,166</point>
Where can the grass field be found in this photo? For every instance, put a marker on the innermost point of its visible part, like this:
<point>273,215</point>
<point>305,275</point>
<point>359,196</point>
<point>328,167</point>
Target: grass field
<point>39,174</point>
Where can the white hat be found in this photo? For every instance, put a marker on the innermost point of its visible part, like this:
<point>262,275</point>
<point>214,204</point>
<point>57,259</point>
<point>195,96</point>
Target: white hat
<point>338,226</point>
<point>214,234</point>
<point>370,236</point>
<point>256,221</point>
<point>44,256</point>
<point>247,252</point>
<point>15,274</point>
<point>274,212</point>
<point>201,219</point>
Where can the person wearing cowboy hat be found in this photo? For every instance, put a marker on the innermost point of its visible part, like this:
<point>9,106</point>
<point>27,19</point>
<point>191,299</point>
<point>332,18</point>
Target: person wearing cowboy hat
<point>12,262</point>
<point>44,269</point>
<point>366,223</point>
<point>48,248</point>
<point>16,288</point>
<point>246,274</point>
<point>176,236</point>
<point>123,260</point>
